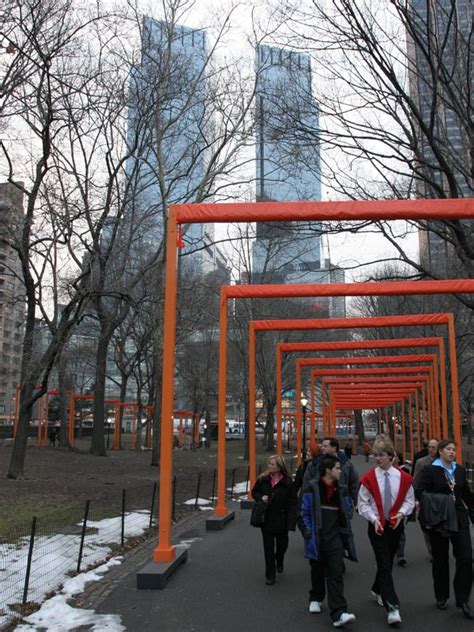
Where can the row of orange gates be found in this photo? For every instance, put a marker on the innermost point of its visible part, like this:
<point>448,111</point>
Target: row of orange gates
<point>188,429</point>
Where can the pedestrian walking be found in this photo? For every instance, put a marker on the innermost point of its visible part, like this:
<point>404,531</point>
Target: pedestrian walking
<point>348,450</point>
<point>326,528</point>
<point>274,487</point>
<point>447,505</point>
<point>419,465</point>
<point>419,455</point>
<point>52,437</point>
<point>312,451</point>
<point>349,480</point>
<point>386,498</point>
<point>367,450</point>
<point>401,558</point>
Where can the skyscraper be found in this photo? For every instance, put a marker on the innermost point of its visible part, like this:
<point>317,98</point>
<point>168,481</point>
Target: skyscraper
<point>288,169</point>
<point>440,57</point>
<point>12,300</point>
<point>167,118</point>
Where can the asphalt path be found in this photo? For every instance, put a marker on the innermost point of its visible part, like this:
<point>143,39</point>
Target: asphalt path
<point>222,588</point>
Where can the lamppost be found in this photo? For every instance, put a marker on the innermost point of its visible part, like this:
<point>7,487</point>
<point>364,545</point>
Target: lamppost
<point>304,403</point>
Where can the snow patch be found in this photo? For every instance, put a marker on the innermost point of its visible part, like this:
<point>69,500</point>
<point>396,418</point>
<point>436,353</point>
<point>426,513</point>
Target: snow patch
<point>199,501</point>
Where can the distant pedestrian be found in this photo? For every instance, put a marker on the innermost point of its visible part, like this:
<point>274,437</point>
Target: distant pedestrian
<point>419,455</point>
<point>367,450</point>
<point>312,451</point>
<point>349,481</point>
<point>447,504</point>
<point>326,528</point>
<point>386,498</point>
<point>420,464</point>
<point>275,488</point>
<point>52,437</point>
<point>401,558</point>
<point>348,450</point>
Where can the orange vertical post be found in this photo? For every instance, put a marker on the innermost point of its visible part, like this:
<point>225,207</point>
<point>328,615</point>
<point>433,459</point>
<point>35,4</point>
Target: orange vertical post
<point>404,443</point>
<point>221,505</point>
<point>299,442</point>
<point>410,425</point>
<point>418,424</point>
<point>453,363</point>
<point>165,552</point>
<point>252,395</point>
<point>444,395</point>
<point>278,403</point>
<point>313,411</point>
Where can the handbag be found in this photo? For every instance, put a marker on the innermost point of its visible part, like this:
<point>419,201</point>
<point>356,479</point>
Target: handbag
<point>257,517</point>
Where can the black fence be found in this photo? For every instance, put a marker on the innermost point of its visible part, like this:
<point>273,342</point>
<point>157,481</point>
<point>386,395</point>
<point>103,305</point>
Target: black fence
<point>36,556</point>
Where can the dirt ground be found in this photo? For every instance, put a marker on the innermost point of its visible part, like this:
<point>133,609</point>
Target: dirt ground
<point>58,482</point>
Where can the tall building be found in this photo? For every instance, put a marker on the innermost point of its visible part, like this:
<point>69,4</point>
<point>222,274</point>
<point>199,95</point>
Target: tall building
<point>12,300</point>
<point>168,131</point>
<point>288,169</point>
<point>441,75</point>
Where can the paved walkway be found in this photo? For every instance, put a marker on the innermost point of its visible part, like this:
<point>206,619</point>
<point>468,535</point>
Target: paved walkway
<point>222,588</point>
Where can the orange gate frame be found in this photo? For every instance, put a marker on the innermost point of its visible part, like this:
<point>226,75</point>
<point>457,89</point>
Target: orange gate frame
<point>350,360</point>
<point>440,209</point>
<point>382,288</point>
<point>371,371</point>
<point>341,323</point>
<point>366,344</point>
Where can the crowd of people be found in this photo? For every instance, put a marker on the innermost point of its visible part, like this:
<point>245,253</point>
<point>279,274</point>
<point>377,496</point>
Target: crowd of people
<point>322,499</point>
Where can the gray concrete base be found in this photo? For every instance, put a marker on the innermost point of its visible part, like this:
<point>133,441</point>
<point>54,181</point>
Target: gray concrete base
<point>217,523</point>
<point>246,503</point>
<point>155,575</point>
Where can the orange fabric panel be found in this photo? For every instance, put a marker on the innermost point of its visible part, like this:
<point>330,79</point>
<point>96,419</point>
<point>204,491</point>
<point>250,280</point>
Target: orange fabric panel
<point>362,344</point>
<point>346,210</point>
<point>378,288</point>
<point>349,323</point>
<point>368,359</point>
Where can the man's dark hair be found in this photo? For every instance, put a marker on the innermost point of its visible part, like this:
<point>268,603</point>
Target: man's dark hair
<point>327,462</point>
<point>333,442</point>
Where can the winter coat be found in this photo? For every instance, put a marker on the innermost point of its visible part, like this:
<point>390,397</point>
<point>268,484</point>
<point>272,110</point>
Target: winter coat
<point>299,475</point>
<point>348,483</point>
<point>280,514</point>
<point>311,521</point>
<point>432,479</point>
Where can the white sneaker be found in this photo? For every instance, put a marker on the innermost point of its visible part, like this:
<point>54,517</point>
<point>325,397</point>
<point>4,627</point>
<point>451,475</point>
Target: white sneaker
<point>377,597</point>
<point>315,607</point>
<point>394,617</point>
<point>346,617</point>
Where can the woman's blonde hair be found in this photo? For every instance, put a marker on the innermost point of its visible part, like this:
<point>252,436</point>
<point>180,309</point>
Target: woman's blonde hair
<point>384,444</point>
<point>282,466</point>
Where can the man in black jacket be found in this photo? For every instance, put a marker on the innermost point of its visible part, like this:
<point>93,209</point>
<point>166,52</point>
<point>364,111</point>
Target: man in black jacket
<point>349,481</point>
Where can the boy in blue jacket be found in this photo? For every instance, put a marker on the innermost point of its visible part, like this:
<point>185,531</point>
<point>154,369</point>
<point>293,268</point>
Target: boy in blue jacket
<point>325,526</point>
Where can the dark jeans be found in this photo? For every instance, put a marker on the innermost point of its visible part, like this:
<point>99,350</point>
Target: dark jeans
<point>462,551</point>
<point>274,548</point>
<point>385,546</point>
<point>328,571</point>
<point>401,545</point>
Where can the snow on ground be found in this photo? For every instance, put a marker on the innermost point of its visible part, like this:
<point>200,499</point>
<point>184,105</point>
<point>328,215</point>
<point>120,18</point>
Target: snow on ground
<point>55,557</point>
<point>241,488</point>
<point>198,501</point>
<point>55,615</point>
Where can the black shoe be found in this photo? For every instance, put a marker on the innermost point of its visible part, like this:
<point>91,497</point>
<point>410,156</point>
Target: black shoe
<point>466,610</point>
<point>441,604</point>
<point>280,568</point>
<point>270,581</point>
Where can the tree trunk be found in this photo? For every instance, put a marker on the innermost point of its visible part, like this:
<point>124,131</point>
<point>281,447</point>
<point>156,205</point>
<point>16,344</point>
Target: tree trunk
<point>208,428</point>
<point>359,428</point>
<point>138,434</point>
<point>98,431</point>
<point>122,398</point>
<point>156,442</point>
<point>17,460</point>
<point>270,427</point>
<point>63,385</point>
<point>246,426</point>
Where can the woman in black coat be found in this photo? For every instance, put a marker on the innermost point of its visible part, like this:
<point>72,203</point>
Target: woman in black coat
<point>445,477</point>
<point>275,488</point>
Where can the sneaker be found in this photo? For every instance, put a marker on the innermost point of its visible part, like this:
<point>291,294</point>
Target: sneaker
<point>377,597</point>
<point>394,617</point>
<point>346,617</point>
<point>315,607</point>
